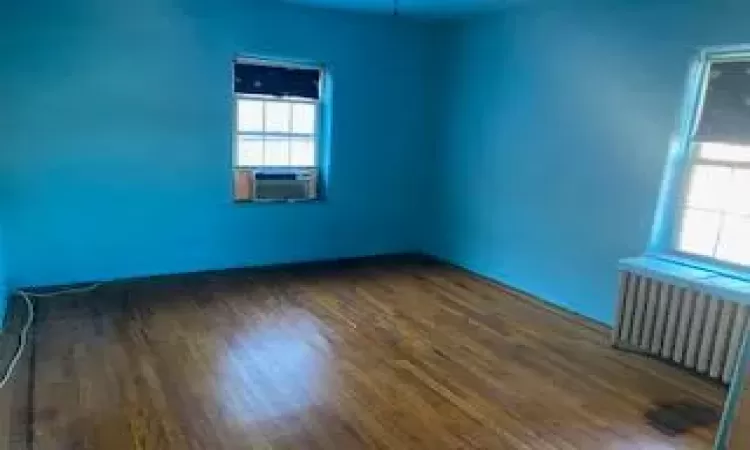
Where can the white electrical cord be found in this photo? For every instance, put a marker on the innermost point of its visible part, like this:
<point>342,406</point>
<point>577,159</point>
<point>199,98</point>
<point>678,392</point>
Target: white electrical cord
<point>27,296</point>
<point>22,343</point>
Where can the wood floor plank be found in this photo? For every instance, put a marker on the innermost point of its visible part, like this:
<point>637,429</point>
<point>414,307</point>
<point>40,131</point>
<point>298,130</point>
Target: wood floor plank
<point>381,356</point>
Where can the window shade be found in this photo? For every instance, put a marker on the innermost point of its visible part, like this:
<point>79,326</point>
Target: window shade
<point>726,109</point>
<point>276,81</point>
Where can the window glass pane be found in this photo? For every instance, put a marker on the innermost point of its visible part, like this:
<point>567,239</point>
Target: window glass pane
<point>277,151</point>
<point>249,115</point>
<point>303,152</point>
<point>734,243</point>
<point>724,152</point>
<point>303,118</point>
<point>738,197</point>
<point>700,230</point>
<point>278,117</point>
<point>249,151</point>
<point>708,187</point>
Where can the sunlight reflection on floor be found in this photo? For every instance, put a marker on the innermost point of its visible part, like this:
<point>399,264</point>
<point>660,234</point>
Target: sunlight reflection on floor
<point>282,373</point>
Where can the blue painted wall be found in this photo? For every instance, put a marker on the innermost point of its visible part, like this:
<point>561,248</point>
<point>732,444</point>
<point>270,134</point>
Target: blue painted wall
<point>117,152</point>
<point>424,9</point>
<point>555,126</point>
<point>3,285</point>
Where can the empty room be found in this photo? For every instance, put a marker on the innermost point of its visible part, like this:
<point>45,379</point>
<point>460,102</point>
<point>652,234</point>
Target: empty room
<point>374,224</point>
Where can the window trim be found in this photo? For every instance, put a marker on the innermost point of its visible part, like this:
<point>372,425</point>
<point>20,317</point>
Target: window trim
<point>683,155</point>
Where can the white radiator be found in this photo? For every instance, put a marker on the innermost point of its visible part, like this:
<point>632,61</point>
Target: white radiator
<point>697,330</point>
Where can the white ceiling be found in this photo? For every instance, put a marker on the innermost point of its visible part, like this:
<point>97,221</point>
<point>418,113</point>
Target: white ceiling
<point>420,8</point>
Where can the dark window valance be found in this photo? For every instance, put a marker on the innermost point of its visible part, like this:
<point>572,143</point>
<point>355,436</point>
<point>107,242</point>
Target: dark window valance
<point>255,78</point>
<point>726,107</point>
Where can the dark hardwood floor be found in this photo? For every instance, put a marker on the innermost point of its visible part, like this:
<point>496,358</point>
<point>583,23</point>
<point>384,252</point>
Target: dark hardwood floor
<point>381,355</point>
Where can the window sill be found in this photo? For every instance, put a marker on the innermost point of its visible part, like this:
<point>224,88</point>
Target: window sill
<point>279,202</point>
<point>679,271</point>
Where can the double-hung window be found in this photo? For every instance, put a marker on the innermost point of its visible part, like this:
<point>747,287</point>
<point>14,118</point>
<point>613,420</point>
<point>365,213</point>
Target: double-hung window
<point>277,115</point>
<point>713,210</point>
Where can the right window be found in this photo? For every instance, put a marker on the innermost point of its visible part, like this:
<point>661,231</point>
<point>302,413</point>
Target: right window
<point>714,214</point>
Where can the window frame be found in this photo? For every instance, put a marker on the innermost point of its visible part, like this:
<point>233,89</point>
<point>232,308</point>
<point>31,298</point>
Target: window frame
<point>318,125</point>
<point>684,155</point>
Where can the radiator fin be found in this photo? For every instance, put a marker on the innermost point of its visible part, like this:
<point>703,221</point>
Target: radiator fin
<point>697,319</point>
<point>673,319</point>
<point>627,313</point>
<point>721,345</point>
<point>706,345</point>
<point>649,315</point>
<point>683,327</point>
<point>697,330</point>
<point>640,307</point>
<point>660,324</point>
<point>735,339</point>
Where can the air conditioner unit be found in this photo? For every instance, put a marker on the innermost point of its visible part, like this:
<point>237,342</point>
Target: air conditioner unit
<point>283,184</point>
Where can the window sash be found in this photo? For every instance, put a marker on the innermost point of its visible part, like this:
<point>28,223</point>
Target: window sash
<point>270,98</point>
<point>275,152</point>
<point>275,135</point>
<point>716,163</point>
<point>715,211</point>
<point>684,206</point>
